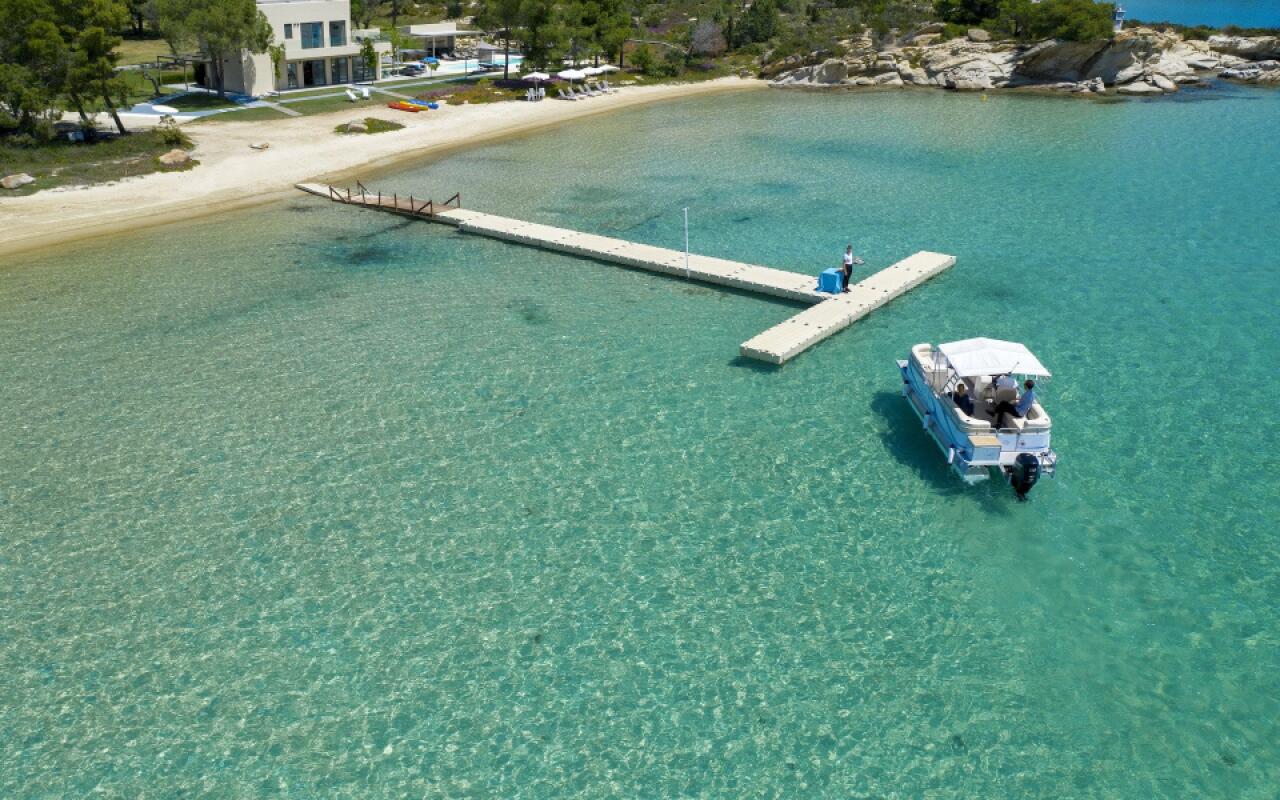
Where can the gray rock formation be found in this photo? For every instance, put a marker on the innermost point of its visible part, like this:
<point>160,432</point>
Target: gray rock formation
<point>1139,88</point>
<point>1255,48</point>
<point>1151,61</point>
<point>1254,72</point>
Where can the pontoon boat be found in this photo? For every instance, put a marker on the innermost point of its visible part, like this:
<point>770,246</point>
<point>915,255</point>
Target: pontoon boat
<point>991,437</point>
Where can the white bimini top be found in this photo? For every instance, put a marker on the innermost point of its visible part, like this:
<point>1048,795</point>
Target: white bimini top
<point>973,357</point>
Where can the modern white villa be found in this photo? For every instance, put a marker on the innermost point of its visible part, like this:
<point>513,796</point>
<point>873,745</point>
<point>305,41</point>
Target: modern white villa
<point>320,49</point>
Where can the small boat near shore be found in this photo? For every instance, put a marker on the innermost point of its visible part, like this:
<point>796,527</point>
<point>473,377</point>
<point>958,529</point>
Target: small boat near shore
<point>989,433</point>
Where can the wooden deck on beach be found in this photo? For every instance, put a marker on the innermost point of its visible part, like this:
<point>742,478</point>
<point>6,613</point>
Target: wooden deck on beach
<point>830,314</point>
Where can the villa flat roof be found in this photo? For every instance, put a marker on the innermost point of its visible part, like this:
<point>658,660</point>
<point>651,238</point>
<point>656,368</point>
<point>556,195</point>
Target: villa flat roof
<point>438,29</point>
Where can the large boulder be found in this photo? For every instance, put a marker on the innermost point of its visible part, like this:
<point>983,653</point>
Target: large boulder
<point>978,35</point>
<point>16,181</point>
<point>1252,48</point>
<point>1195,54</point>
<point>888,79</point>
<point>1053,60</point>
<point>1139,88</point>
<point>176,158</point>
<point>911,75</point>
<point>1163,83</point>
<point>1255,72</point>
<point>967,80</point>
<point>831,71</point>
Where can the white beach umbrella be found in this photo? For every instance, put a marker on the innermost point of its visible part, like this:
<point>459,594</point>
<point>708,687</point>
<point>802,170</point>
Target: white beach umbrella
<point>593,71</point>
<point>571,74</point>
<point>607,68</point>
<point>537,76</point>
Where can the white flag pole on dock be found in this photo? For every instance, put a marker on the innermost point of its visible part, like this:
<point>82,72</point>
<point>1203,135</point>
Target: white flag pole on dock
<point>686,244</point>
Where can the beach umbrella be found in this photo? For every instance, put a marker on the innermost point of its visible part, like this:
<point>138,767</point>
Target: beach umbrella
<point>593,71</point>
<point>607,68</point>
<point>537,76</point>
<point>571,74</point>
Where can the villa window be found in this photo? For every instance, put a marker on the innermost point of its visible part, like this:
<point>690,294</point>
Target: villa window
<point>337,33</point>
<point>338,70</point>
<point>288,30</point>
<point>291,70</point>
<point>312,35</point>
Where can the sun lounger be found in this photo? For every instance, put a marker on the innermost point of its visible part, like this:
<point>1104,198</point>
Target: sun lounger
<point>352,96</point>
<point>564,96</point>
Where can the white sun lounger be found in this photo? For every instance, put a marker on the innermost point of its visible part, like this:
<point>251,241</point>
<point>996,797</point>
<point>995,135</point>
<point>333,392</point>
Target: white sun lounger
<point>564,96</point>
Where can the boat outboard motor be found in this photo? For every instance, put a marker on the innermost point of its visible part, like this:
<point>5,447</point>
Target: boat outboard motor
<point>1024,473</point>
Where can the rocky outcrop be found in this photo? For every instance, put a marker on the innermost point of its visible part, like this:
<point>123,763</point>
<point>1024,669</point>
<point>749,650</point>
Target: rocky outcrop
<point>16,181</point>
<point>1149,60</point>
<point>1250,48</point>
<point>1139,88</point>
<point>1254,72</point>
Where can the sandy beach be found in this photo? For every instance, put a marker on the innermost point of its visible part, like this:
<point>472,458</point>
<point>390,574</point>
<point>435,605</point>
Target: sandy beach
<point>231,174</point>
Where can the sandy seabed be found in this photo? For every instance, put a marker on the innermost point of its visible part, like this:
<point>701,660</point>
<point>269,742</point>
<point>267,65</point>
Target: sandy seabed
<point>231,174</point>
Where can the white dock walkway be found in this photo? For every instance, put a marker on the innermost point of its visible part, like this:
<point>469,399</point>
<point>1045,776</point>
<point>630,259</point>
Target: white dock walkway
<point>784,341</point>
<point>830,314</point>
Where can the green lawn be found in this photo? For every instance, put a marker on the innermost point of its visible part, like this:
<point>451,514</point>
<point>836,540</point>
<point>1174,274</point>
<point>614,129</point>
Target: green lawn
<point>141,51</point>
<point>243,115</point>
<point>199,101</point>
<point>63,163</point>
<point>339,103</point>
<point>285,97</point>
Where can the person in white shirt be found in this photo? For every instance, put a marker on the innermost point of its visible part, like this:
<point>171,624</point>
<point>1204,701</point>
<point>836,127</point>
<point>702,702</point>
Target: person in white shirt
<point>849,260</point>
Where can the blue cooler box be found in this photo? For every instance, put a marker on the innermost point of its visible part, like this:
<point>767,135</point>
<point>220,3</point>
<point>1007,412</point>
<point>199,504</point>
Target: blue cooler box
<point>831,281</point>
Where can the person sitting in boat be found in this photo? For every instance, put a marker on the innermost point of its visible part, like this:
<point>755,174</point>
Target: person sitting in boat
<point>1019,409</point>
<point>962,399</point>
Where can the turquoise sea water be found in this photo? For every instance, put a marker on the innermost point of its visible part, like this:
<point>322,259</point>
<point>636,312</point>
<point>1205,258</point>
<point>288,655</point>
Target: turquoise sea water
<point>310,502</point>
<point>1219,13</point>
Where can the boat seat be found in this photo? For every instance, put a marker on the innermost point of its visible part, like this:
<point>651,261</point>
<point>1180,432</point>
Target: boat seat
<point>970,424</point>
<point>1006,396</point>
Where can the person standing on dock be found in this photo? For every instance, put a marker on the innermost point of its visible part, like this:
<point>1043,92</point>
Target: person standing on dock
<point>849,260</point>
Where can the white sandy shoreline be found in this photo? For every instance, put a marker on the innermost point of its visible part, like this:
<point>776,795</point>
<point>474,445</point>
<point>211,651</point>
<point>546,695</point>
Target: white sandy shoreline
<point>232,175</point>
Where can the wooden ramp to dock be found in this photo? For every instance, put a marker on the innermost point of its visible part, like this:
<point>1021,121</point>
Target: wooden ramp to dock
<point>829,315</point>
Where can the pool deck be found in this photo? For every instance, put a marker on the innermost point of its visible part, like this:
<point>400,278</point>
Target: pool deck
<point>829,315</point>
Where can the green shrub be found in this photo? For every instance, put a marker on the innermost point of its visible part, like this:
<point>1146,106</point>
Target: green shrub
<point>1072,20</point>
<point>643,59</point>
<point>672,64</point>
<point>170,134</point>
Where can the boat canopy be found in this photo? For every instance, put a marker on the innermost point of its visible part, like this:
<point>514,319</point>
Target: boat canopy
<point>982,356</point>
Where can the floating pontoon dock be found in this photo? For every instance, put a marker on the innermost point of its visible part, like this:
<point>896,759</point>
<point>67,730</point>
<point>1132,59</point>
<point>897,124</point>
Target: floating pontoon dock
<point>829,315</point>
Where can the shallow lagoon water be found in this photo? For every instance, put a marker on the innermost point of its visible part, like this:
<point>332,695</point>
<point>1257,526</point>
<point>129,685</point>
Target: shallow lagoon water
<point>311,502</point>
